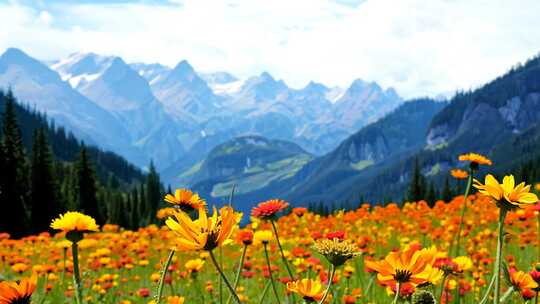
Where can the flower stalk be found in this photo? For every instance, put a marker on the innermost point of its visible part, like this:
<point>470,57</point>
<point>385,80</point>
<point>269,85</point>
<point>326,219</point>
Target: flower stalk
<point>164,270</point>
<point>76,273</point>
<point>498,258</point>
<point>507,294</point>
<point>398,290</point>
<point>464,211</point>
<point>239,270</point>
<point>229,286</point>
<point>270,273</point>
<point>283,258</point>
<point>330,281</point>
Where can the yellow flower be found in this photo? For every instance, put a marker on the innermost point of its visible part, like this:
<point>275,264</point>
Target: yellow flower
<point>194,265</point>
<point>434,275</point>
<point>204,233</point>
<point>514,195</point>
<point>262,237</point>
<point>475,159</point>
<point>17,293</point>
<point>74,221</point>
<point>463,263</point>
<point>185,200</point>
<point>310,290</point>
<point>175,300</point>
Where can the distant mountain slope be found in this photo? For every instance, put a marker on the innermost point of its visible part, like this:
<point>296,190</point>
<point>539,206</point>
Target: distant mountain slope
<point>401,131</point>
<point>35,84</point>
<point>248,162</point>
<point>499,120</point>
<point>120,90</point>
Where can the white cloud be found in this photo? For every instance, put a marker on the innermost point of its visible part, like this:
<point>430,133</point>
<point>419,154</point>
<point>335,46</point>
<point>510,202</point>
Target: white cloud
<point>419,47</point>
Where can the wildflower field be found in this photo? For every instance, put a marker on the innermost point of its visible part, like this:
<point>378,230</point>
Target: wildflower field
<point>450,253</point>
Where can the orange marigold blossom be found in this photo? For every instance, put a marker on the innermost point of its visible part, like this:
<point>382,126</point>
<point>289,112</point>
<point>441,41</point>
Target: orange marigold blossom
<point>185,200</point>
<point>408,266</point>
<point>310,290</point>
<point>475,159</point>
<point>269,209</point>
<point>507,192</point>
<point>521,280</point>
<point>18,293</point>
<point>204,233</point>
<point>459,174</point>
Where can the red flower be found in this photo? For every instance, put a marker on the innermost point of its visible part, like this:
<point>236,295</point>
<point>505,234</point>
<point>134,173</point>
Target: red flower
<point>144,292</point>
<point>336,234</point>
<point>269,209</point>
<point>300,211</point>
<point>527,294</point>
<point>246,237</point>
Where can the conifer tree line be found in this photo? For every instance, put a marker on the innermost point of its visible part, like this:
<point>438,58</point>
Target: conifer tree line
<point>45,170</point>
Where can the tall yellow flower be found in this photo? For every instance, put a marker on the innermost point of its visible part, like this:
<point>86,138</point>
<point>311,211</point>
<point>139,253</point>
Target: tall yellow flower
<point>516,196</point>
<point>310,290</point>
<point>17,293</point>
<point>74,221</point>
<point>475,159</point>
<point>204,233</point>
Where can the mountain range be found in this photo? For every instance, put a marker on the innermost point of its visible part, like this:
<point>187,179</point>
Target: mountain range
<point>176,116</point>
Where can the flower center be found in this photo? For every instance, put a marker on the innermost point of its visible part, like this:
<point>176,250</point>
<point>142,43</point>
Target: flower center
<point>402,276</point>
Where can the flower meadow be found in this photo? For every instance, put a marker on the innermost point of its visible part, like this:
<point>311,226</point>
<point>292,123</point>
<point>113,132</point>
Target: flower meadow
<point>480,247</point>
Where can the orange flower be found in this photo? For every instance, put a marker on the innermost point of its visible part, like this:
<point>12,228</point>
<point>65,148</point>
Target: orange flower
<point>300,211</point>
<point>459,174</point>
<point>17,293</point>
<point>269,209</point>
<point>408,266</point>
<point>475,159</point>
<point>521,280</point>
<point>310,290</point>
<point>186,200</point>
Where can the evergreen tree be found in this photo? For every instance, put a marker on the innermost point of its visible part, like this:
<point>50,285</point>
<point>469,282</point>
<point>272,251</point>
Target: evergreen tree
<point>14,177</point>
<point>447,194</point>
<point>417,187</point>
<point>153,192</point>
<point>44,196</point>
<point>87,187</point>
<point>431,195</point>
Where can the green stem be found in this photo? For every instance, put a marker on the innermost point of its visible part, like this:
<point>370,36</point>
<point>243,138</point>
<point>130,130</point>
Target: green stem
<point>398,290</point>
<point>442,287</point>
<point>463,211</point>
<point>264,292</point>
<point>270,273</point>
<point>507,294</point>
<point>498,259</point>
<point>488,290</point>
<point>220,280</point>
<point>281,251</point>
<point>330,280</point>
<point>76,273</point>
<point>231,289</point>
<point>370,283</point>
<point>199,286</point>
<point>164,270</point>
<point>64,268</point>
<point>239,271</point>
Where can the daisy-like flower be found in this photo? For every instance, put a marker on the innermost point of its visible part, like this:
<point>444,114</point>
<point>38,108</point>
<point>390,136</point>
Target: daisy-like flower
<point>74,224</point>
<point>185,200</point>
<point>507,193</point>
<point>310,290</point>
<point>409,266</point>
<point>459,174</point>
<point>336,251</point>
<point>204,233</point>
<point>17,293</point>
<point>194,265</point>
<point>269,209</point>
<point>475,160</point>
<point>300,211</point>
<point>521,281</point>
<point>262,237</point>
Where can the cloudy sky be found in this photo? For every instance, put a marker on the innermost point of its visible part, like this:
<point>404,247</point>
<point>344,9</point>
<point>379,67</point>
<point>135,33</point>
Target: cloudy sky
<point>420,47</point>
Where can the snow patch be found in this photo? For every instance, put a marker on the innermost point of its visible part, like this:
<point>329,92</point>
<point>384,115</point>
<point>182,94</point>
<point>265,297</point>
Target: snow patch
<point>227,88</point>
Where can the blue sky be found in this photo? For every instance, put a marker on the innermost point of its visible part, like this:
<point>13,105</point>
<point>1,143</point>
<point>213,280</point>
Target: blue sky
<point>419,47</point>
